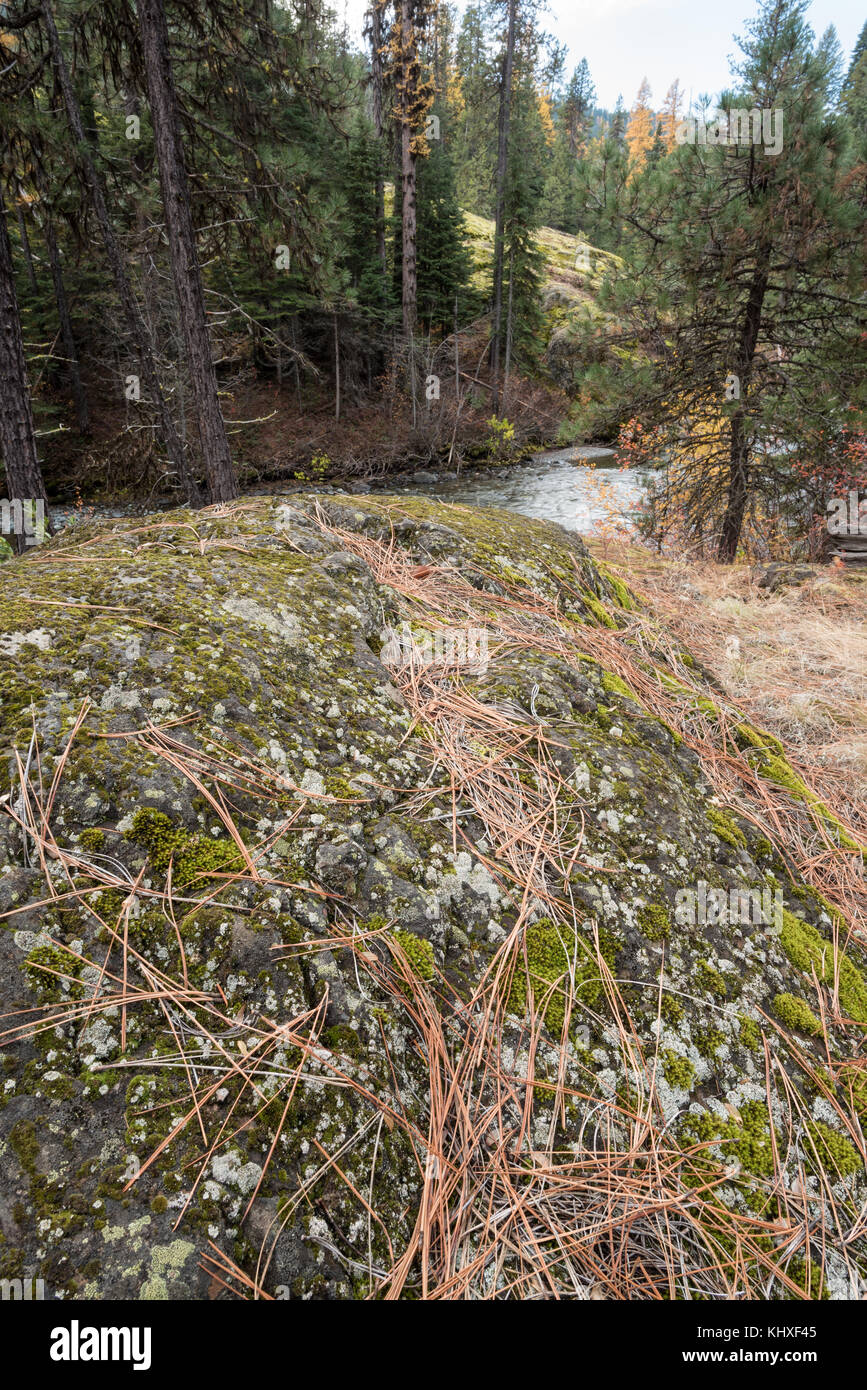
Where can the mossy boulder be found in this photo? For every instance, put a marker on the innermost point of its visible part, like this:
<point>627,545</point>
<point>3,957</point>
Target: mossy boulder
<point>243,785</point>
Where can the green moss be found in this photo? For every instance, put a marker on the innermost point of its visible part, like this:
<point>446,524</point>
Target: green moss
<point>748,737</point>
<point>750,1033</point>
<point>159,1205</point>
<point>709,979</point>
<point>777,769</point>
<point>624,595</point>
<point>796,1015</point>
<point>343,1039</point>
<point>550,963</point>
<point>654,921</point>
<point>726,829</point>
<point>614,685</point>
<point>835,1152</point>
<point>419,954</point>
<point>677,1070</point>
<point>92,840</point>
<point>808,1276</point>
<point>52,987</point>
<point>748,1139</point>
<point>24,1144</point>
<point>809,951</point>
<point>193,856</point>
<point>671,1009</point>
<point>709,1040</point>
<point>598,610</point>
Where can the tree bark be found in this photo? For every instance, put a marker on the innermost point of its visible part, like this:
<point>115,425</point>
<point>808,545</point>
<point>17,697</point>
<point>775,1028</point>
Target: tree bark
<point>170,438</point>
<point>25,247</point>
<point>17,435</point>
<point>375,31</point>
<point>222,483</point>
<point>499,226</point>
<point>739,480</point>
<point>79,395</point>
<point>409,278</point>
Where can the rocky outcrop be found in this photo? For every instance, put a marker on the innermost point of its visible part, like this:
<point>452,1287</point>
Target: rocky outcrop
<point>296,784</point>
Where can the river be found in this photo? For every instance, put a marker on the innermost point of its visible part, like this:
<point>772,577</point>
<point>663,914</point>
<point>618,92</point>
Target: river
<point>557,485</point>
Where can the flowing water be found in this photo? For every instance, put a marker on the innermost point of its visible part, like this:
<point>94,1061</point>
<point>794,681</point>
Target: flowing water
<point>555,486</point>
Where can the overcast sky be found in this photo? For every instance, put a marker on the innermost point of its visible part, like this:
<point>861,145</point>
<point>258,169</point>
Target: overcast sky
<point>626,40</point>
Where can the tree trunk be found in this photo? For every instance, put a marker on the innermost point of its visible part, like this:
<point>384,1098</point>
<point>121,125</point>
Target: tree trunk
<point>375,31</point>
<point>409,279</point>
<point>170,438</point>
<point>739,479</point>
<point>17,436</point>
<point>25,247</point>
<point>499,227</point>
<point>222,483</point>
<point>79,396</point>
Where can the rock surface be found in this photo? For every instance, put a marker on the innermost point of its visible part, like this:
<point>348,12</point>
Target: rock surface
<point>238,668</point>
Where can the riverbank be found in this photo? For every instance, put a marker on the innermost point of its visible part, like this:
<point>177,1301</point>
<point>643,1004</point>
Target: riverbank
<point>789,643</point>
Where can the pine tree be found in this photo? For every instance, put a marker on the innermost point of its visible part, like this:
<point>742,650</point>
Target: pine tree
<point>216,455</point>
<point>444,266</point>
<point>735,336</point>
<point>17,436</point>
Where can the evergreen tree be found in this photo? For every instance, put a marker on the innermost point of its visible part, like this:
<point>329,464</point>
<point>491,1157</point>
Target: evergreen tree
<point>742,285</point>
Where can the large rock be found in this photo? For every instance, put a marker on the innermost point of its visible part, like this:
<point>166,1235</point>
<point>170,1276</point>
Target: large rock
<point>267,663</point>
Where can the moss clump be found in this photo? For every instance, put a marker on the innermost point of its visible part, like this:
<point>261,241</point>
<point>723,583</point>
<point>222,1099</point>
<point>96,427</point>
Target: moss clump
<point>796,1015</point>
<point>615,686</point>
<point>92,840</point>
<point>625,597</point>
<point>677,1070</point>
<point>748,737</point>
<point>343,1039</point>
<point>834,1151</point>
<point>52,974</point>
<point>751,1034</point>
<point>550,964</point>
<point>710,980</point>
<point>24,1144</point>
<point>419,954</point>
<point>598,611</point>
<point>159,1205</point>
<point>193,856</point>
<point>726,829</point>
<point>654,921</point>
<point>709,1040</point>
<point>670,1009</point>
<point>809,951</point>
<point>808,1276</point>
<point>747,1140</point>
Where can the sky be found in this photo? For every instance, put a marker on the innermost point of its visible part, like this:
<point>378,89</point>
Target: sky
<point>626,40</point>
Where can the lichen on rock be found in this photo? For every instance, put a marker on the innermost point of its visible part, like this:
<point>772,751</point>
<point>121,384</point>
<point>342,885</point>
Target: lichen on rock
<point>258,817</point>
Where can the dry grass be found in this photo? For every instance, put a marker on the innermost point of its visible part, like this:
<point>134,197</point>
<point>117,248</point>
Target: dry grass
<point>795,660</point>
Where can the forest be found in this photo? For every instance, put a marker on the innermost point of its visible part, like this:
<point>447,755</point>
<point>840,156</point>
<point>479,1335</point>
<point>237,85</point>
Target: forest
<point>239,249</point>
